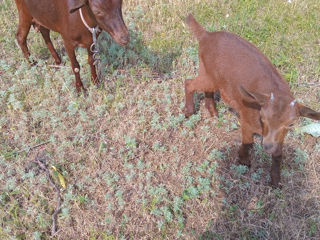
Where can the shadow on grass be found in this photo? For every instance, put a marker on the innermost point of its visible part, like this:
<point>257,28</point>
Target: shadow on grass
<point>254,210</point>
<point>135,54</point>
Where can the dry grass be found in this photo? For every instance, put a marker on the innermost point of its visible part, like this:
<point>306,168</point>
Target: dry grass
<point>135,167</point>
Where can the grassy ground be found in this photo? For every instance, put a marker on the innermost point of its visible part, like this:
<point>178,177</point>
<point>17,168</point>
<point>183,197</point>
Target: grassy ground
<point>135,168</point>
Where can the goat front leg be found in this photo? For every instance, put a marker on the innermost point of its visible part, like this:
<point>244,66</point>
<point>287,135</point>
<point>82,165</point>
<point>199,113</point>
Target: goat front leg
<point>75,66</point>
<point>275,170</point>
<point>247,144</point>
<point>200,84</point>
<point>210,103</point>
<point>244,158</point>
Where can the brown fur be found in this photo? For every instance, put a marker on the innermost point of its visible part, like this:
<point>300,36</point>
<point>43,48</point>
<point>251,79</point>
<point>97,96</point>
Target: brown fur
<point>246,80</point>
<point>62,16</point>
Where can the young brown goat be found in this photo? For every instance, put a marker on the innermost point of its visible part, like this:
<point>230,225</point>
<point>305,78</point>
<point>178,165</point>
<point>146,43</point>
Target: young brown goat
<point>61,16</point>
<point>251,85</point>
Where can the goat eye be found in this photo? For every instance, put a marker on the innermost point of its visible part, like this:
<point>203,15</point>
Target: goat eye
<point>291,125</point>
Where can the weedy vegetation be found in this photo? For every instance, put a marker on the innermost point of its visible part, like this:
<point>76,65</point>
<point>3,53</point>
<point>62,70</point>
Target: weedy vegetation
<point>132,165</point>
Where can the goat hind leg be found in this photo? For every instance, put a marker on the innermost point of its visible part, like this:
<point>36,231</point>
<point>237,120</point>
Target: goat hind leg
<point>25,22</point>
<point>189,108</point>
<point>46,36</point>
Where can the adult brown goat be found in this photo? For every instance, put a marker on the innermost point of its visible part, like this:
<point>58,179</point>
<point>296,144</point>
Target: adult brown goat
<point>251,85</point>
<point>62,16</point>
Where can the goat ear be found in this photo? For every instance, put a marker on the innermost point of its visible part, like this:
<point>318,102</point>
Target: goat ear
<point>76,4</point>
<point>308,112</point>
<point>258,98</point>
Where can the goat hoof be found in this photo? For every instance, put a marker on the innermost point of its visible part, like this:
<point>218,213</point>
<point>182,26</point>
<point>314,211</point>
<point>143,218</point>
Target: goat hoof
<point>85,93</point>
<point>33,63</point>
<point>97,83</point>
<point>245,162</point>
<point>275,185</point>
<point>213,113</point>
<point>58,62</point>
<point>187,113</point>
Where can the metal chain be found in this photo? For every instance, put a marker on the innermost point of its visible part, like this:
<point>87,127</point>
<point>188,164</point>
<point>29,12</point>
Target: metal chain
<point>94,48</point>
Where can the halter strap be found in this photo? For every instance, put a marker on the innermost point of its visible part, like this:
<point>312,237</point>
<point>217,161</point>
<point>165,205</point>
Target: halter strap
<point>92,30</point>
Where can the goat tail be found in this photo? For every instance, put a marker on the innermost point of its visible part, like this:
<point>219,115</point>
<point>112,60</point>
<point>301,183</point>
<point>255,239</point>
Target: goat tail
<point>195,27</point>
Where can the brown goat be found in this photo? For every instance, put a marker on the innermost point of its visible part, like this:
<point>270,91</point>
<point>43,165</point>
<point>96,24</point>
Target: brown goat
<point>251,85</point>
<point>61,16</point>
